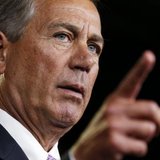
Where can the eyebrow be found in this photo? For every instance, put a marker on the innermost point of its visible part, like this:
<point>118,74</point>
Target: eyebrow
<point>75,30</point>
<point>98,39</point>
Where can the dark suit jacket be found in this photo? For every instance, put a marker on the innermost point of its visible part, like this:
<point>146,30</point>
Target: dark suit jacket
<point>65,157</point>
<point>9,149</point>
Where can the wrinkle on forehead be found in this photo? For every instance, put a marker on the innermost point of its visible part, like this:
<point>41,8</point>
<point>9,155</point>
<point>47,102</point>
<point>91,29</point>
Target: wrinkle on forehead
<point>83,3</point>
<point>50,10</point>
<point>78,15</point>
<point>85,6</point>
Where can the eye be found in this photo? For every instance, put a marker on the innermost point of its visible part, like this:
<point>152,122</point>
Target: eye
<point>94,48</point>
<point>62,37</point>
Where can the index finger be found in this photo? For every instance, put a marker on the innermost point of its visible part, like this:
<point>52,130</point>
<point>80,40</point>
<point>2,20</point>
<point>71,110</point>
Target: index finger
<point>132,83</point>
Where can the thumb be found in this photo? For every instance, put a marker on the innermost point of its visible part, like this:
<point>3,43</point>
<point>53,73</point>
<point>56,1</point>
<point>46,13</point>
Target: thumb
<point>132,83</point>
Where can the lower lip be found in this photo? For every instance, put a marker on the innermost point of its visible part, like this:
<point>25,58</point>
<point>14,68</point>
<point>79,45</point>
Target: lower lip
<point>71,93</point>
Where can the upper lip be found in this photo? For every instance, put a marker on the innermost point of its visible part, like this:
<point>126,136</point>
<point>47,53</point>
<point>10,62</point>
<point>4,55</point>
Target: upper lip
<point>74,87</point>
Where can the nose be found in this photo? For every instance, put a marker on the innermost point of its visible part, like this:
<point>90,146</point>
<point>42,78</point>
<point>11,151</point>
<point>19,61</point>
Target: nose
<point>82,59</point>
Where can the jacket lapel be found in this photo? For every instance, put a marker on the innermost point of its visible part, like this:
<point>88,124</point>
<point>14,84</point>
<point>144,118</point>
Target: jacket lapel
<point>9,149</point>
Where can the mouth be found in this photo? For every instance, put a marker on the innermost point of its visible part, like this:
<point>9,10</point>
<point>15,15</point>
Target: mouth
<point>74,88</point>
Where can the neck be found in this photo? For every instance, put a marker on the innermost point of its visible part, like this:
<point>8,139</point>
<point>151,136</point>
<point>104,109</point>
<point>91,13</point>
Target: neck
<point>35,122</point>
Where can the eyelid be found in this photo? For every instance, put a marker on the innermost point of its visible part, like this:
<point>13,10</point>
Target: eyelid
<point>98,47</point>
<point>69,35</point>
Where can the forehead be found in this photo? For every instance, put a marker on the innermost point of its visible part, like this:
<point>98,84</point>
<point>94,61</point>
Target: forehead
<point>77,4</point>
<point>75,11</point>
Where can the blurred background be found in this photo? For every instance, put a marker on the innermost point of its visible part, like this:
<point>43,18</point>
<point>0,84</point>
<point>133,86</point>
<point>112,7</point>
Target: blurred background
<point>129,27</point>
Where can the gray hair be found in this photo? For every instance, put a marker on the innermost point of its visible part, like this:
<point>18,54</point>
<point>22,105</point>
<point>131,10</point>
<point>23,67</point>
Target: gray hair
<point>14,15</point>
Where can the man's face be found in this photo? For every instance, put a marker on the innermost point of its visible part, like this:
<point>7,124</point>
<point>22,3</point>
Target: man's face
<point>53,67</point>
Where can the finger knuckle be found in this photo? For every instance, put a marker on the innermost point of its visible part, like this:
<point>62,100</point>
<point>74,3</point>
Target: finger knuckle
<point>113,140</point>
<point>142,149</point>
<point>113,124</point>
<point>150,130</point>
<point>152,109</point>
<point>111,110</point>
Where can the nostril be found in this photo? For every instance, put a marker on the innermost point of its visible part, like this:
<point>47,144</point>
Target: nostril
<point>1,46</point>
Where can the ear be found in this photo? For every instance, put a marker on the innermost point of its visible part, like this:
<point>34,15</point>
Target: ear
<point>3,51</point>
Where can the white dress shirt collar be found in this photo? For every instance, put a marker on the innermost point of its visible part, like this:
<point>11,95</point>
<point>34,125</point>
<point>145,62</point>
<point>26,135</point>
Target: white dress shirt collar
<point>25,139</point>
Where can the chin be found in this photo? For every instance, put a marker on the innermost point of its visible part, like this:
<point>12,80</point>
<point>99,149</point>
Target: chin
<point>68,119</point>
<point>65,123</point>
<point>66,114</point>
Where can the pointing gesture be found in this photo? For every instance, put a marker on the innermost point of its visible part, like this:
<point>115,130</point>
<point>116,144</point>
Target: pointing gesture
<point>123,125</point>
<point>130,86</point>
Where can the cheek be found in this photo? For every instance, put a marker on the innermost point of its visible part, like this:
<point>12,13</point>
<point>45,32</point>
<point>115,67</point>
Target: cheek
<point>92,79</point>
<point>44,61</point>
<point>93,75</point>
<point>35,68</point>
